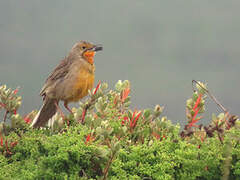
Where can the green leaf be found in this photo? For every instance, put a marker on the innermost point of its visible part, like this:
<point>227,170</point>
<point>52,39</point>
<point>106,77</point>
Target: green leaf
<point>147,113</point>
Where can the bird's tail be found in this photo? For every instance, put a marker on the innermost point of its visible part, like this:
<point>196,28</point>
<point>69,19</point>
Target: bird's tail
<point>47,111</point>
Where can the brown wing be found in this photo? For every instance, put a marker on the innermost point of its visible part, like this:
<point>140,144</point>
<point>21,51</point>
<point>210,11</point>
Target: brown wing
<point>59,72</point>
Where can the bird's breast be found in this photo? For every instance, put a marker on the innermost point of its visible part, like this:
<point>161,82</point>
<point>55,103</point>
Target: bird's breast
<point>83,82</point>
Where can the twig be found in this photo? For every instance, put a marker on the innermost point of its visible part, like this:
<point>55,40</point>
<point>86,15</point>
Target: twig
<point>220,138</point>
<point>89,103</point>
<point>85,108</point>
<point>210,95</point>
<point>107,167</point>
<point>5,116</point>
<point>4,120</point>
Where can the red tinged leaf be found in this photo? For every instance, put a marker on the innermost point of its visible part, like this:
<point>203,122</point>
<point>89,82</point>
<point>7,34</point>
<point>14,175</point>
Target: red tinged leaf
<point>13,144</point>
<point>191,124</point>
<point>27,120</point>
<point>197,102</point>
<point>98,85</point>
<point>83,115</point>
<point>131,121</point>
<point>3,105</point>
<point>6,144</point>
<point>89,138</point>
<point>206,168</point>
<point>136,119</point>
<point>157,136</point>
<point>195,114</point>
<point>15,91</point>
<point>193,119</point>
<point>115,100</point>
<point>125,94</point>
<point>124,120</point>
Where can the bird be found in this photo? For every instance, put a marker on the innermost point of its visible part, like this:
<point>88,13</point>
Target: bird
<point>69,82</point>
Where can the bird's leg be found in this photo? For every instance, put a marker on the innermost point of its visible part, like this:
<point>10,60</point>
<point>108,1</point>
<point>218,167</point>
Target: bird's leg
<point>59,109</point>
<point>66,106</point>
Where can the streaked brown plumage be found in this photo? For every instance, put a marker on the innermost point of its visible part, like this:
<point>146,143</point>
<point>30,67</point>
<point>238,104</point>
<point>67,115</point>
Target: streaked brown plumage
<point>69,82</point>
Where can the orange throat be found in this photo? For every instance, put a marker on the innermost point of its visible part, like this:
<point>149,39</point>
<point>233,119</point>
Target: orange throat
<point>89,56</point>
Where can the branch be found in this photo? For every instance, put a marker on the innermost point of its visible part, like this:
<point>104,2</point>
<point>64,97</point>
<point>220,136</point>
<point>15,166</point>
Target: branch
<point>89,103</point>
<point>210,95</point>
<point>5,116</point>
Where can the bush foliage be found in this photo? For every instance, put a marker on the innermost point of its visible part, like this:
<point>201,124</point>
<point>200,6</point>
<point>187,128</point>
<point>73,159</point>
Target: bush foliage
<point>105,139</point>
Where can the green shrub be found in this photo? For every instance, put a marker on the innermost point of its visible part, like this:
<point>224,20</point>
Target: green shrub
<point>104,139</point>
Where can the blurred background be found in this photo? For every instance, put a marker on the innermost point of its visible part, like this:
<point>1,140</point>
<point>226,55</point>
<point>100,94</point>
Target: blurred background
<point>160,46</point>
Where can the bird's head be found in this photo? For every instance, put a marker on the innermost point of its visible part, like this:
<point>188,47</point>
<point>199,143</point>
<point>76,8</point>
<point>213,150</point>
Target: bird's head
<point>86,50</point>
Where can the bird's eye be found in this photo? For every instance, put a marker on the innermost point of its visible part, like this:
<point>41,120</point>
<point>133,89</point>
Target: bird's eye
<point>83,47</point>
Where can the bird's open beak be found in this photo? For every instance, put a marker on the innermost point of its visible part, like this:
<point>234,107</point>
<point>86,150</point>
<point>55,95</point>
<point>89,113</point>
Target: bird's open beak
<point>97,48</point>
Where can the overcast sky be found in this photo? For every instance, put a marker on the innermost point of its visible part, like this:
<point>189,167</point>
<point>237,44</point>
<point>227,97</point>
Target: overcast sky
<point>160,46</point>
